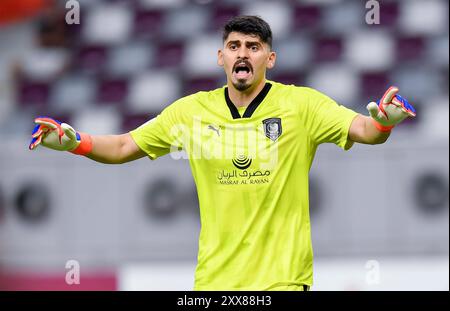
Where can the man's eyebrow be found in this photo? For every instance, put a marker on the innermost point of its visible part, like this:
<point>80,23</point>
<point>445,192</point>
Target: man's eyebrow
<point>233,42</point>
<point>253,43</point>
<point>246,42</point>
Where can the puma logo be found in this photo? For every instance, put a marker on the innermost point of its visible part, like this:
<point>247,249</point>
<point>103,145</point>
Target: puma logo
<point>211,127</point>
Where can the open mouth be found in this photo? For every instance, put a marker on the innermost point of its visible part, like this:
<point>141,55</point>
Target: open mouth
<point>242,70</point>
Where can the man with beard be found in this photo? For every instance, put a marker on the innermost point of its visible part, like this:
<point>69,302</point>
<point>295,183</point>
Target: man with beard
<point>250,146</point>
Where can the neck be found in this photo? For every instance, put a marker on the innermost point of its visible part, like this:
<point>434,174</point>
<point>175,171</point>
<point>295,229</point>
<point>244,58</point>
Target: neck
<point>244,98</point>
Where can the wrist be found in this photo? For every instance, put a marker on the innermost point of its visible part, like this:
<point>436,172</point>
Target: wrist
<point>382,128</point>
<point>85,145</point>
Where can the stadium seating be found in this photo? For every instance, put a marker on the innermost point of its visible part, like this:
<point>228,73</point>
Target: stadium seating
<point>142,55</point>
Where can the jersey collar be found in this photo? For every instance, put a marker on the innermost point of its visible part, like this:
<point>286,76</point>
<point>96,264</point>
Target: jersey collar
<point>250,108</point>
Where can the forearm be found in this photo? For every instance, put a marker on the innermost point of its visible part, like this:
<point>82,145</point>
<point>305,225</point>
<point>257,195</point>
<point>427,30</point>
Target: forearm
<point>109,149</point>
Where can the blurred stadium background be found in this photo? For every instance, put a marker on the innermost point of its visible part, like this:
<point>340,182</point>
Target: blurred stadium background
<point>380,215</point>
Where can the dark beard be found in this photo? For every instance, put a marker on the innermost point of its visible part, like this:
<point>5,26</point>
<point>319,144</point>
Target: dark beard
<point>241,85</point>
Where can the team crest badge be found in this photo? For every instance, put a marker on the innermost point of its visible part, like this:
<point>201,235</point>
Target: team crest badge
<point>272,128</point>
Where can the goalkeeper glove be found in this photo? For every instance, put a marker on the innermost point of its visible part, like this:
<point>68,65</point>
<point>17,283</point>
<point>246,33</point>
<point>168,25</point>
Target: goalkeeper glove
<point>59,136</point>
<point>390,110</point>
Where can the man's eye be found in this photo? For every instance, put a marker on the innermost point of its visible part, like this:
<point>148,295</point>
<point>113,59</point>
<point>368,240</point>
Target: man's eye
<point>233,47</point>
<point>254,48</point>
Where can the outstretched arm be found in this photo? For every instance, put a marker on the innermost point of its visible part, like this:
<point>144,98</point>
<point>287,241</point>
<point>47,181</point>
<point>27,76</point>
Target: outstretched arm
<point>385,114</point>
<point>114,149</point>
<point>110,149</point>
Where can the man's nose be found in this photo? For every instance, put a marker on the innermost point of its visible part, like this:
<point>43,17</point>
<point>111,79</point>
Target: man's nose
<point>243,52</point>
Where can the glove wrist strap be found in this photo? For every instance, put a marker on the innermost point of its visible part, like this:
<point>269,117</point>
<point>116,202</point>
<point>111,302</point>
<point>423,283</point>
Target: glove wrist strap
<point>85,146</point>
<point>382,128</point>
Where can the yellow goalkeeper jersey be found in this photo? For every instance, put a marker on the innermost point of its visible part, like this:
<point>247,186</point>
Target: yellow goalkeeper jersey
<point>251,170</point>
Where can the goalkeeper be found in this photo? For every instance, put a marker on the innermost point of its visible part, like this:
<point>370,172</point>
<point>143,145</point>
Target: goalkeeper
<point>254,205</point>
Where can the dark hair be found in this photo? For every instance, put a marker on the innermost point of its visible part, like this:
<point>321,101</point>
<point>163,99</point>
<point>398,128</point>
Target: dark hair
<point>249,25</point>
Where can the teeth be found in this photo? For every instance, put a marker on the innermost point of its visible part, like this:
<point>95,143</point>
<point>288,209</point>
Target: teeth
<point>242,65</point>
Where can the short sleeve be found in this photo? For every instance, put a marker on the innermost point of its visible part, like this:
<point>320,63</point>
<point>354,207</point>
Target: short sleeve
<point>325,120</point>
<point>158,136</point>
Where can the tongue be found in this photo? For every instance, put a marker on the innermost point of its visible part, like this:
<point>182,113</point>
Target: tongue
<point>242,74</point>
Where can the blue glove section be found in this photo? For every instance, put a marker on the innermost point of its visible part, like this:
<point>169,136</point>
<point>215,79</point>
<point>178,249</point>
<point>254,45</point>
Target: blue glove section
<point>34,139</point>
<point>405,104</point>
<point>400,101</point>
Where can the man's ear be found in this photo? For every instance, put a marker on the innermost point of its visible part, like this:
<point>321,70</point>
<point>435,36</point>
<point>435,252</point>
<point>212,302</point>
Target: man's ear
<point>272,59</point>
<point>220,58</point>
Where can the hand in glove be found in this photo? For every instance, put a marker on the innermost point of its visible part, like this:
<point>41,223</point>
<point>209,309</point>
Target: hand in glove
<point>390,110</point>
<point>59,136</point>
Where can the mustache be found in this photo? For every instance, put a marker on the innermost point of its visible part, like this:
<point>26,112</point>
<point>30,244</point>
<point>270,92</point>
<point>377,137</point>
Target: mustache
<point>246,62</point>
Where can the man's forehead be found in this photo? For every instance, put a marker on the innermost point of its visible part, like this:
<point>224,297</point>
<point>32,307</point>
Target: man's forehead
<point>238,36</point>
